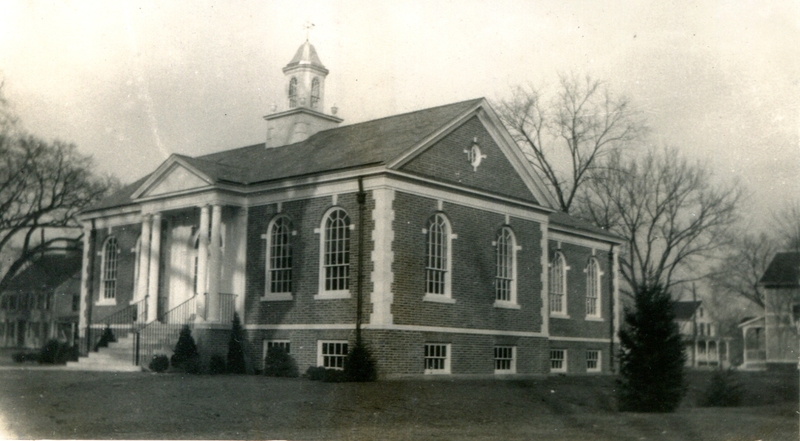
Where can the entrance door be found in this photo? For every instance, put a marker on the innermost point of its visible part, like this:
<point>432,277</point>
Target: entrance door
<point>22,326</point>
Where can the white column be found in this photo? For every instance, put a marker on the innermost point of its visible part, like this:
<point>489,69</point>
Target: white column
<point>202,262</point>
<point>214,264</point>
<point>155,254</point>
<point>144,266</point>
<point>87,233</point>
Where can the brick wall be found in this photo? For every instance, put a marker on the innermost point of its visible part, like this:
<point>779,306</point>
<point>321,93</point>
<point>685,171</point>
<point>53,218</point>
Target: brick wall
<point>446,161</point>
<point>576,355</point>
<point>127,236</point>
<point>306,216</point>
<point>473,268</point>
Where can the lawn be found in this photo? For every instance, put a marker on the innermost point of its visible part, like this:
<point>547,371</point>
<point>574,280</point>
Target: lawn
<point>66,404</point>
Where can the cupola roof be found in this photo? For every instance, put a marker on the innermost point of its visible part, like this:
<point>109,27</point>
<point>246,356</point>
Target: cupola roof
<point>307,56</point>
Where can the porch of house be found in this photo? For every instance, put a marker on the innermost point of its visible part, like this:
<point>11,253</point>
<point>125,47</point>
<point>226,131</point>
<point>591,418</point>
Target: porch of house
<point>755,344</point>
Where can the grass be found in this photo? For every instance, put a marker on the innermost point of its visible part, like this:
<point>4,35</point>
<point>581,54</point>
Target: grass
<point>65,404</point>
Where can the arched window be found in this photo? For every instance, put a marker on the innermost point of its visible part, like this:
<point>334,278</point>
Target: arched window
<point>437,256</point>
<point>279,256</point>
<point>593,288</point>
<point>558,284</point>
<point>293,92</point>
<point>505,277</point>
<point>335,251</point>
<point>109,265</point>
<point>314,93</point>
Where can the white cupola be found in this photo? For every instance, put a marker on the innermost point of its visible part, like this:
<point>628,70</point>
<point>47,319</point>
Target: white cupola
<point>303,112</point>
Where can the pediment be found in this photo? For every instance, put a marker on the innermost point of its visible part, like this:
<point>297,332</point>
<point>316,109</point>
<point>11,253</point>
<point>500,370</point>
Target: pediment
<point>173,177</point>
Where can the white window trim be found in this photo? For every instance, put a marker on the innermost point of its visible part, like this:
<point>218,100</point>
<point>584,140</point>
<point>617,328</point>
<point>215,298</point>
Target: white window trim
<point>563,368</point>
<point>102,300</point>
<point>274,296</point>
<point>598,316</point>
<point>564,309</point>
<point>323,293</point>
<point>447,359</point>
<point>512,303</point>
<point>513,369</point>
<point>599,367</point>
<point>447,297</point>
<point>320,362</point>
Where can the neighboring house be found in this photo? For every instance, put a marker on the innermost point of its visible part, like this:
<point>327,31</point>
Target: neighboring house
<point>432,222</point>
<point>42,302</point>
<point>771,339</point>
<point>703,345</point>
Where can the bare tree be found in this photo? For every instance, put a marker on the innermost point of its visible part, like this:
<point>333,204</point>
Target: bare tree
<point>741,269</point>
<point>669,211</point>
<point>567,136</point>
<point>786,226</point>
<point>43,186</point>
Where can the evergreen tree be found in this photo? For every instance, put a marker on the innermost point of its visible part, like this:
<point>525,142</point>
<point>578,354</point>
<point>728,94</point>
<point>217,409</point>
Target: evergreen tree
<point>236,363</point>
<point>360,365</point>
<point>185,356</point>
<point>651,355</point>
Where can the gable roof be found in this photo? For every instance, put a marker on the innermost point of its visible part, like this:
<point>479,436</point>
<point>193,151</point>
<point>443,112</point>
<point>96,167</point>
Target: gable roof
<point>685,310</point>
<point>784,270</point>
<point>576,224</point>
<point>46,273</point>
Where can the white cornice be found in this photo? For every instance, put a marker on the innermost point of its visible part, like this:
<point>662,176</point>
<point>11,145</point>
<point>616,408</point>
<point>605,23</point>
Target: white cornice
<point>571,238</point>
<point>556,230</point>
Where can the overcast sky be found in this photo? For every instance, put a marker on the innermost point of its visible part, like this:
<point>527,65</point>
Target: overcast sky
<point>132,82</point>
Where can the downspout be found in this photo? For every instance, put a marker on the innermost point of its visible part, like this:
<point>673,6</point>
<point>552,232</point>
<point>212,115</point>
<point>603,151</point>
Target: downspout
<point>611,308</point>
<point>362,199</point>
<point>90,289</point>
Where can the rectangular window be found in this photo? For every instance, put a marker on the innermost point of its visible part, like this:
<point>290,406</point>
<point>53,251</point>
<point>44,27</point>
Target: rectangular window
<point>505,359</point>
<point>592,360</point>
<point>331,354</point>
<point>437,358</point>
<point>558,360</point>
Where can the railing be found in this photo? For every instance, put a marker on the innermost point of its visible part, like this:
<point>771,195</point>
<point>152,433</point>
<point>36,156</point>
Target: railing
<point>161,335</point>
<point>121,323</point>
<point>227,307</point>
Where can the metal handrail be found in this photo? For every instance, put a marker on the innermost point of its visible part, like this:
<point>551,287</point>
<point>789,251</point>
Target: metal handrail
<point>121,322</point>
<point>162,334</point>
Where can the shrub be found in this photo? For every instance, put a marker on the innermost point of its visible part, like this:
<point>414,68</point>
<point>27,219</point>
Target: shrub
<point>217,365</point>
<point>22,357</point>
<point>651,355</point>
<point>236,363</point>
<point>327,375</point>
<point>185,356</point>
<point>279,363</point>
<point>106,338</point>
<point>159,363</point>
<point>359,365</point>
<point>54,352</point>
<point>724,390</point>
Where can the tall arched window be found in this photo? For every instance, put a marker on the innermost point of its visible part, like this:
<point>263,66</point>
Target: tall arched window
<point>505,275</point>
<point>437,256</point>
<point>336,251</point>
<point>109,265</point>
<point>558,284</point>
<point>593,288</point>
<point>279,256</point>
<point>293,92</point>
<point>314,93</point>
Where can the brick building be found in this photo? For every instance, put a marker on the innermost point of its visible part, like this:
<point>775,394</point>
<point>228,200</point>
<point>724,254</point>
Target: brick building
<point>432,221</point>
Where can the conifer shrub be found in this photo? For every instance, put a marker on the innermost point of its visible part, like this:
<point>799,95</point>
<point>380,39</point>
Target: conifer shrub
<point>106,338</point>
<point>359,365</point>
<point>216,365</point>
<point>185,357</point>
<point>22,357</point>
<point>236,362</point>
<point>651,355</point>
<point>315,373</point>
<point>159,363</point>
<point>55,352</point>
<point>725,390</point>
<point>280,363</point>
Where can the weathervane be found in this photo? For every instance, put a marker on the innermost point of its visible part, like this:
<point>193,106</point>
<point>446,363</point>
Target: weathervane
<point>307,26</point>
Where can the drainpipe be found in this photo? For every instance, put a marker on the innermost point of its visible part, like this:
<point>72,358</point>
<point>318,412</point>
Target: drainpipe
<point>90,288</point>
<point>611,307</point>
<point>362,199</point>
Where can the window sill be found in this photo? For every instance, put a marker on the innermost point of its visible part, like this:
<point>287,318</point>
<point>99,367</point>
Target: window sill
<point>506,304</point>
<point>438,298</point>
<point>509,372</point>
<point>112,302</point>
<point>594,371</point>
<point>593,318</point>
<point>559,315</point>
<point>437,372</point>
<point>276,297</point>
<point>332,295</point>
<point>560,371</point>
